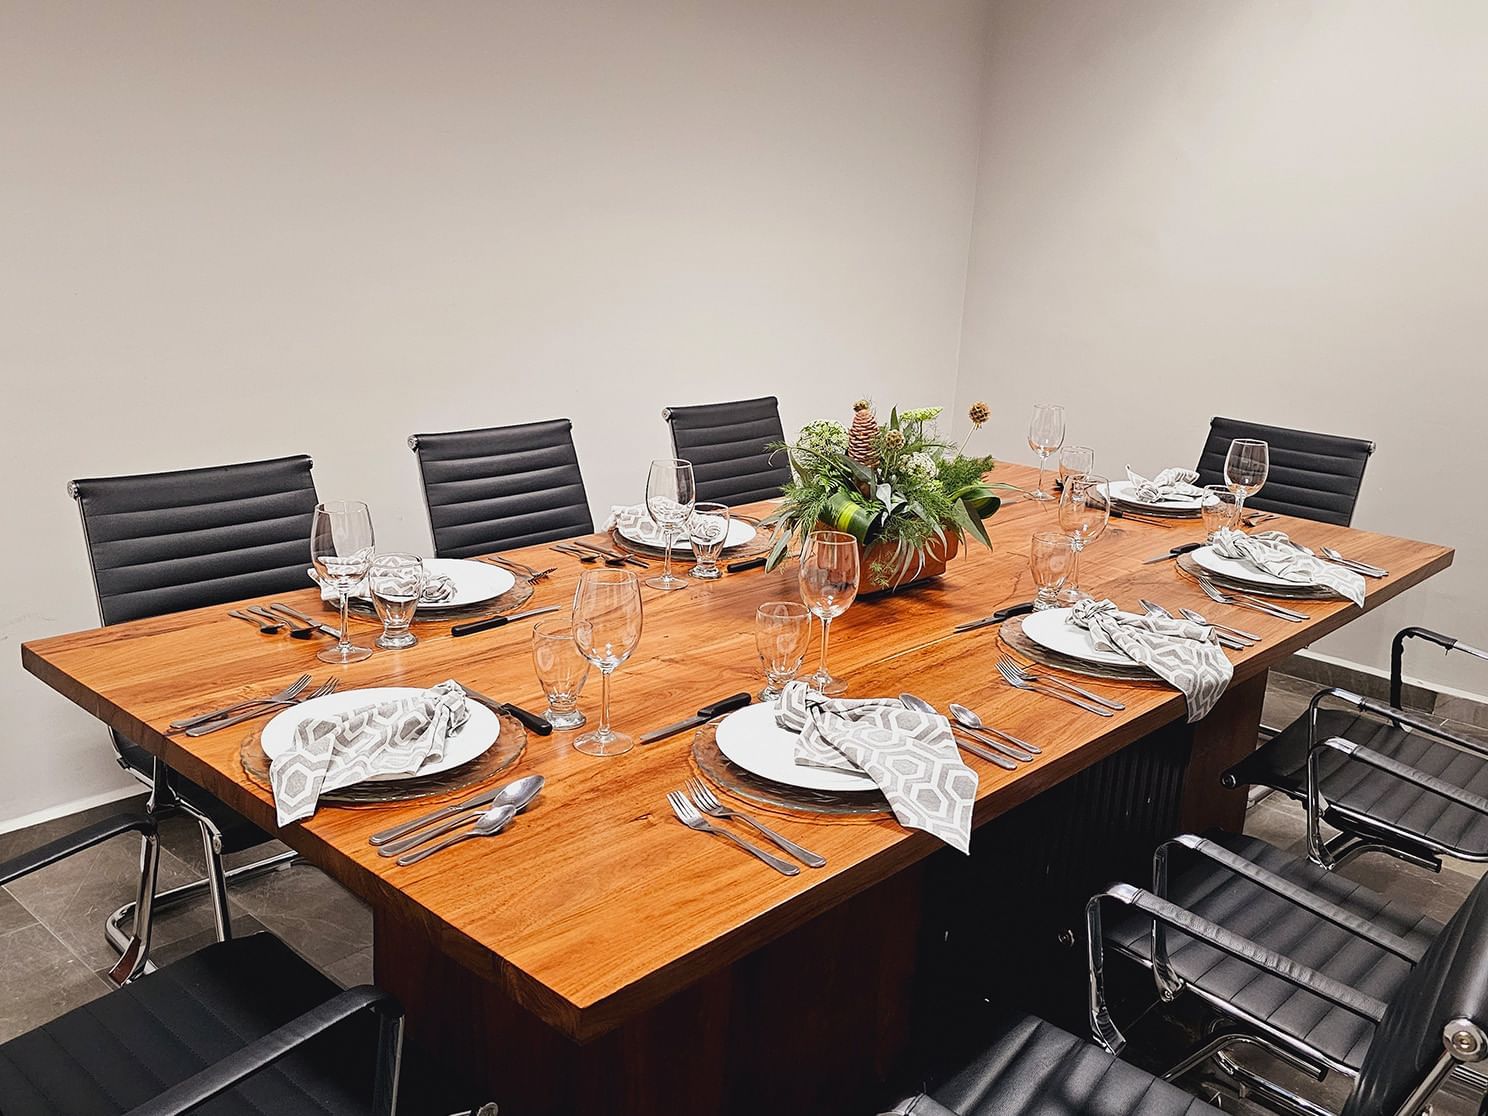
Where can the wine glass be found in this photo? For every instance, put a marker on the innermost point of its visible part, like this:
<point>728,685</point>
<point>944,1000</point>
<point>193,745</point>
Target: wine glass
<point>341,548</point>
<point>670,495</point>
<point>396,583</point>
<point>1083,515</point>
<point>708,531</point>
<point>606,629</point>
<point>1045,435</point>
<point>1245,469</point>
<point>1073,460</point>
<point>829,582</point>
<point>561,671</point>
<point>781,632</point>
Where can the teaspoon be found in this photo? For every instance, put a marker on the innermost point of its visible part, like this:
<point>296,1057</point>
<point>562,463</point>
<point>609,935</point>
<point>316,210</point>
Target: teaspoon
<point>517,794</point>
<point>1001,754</point>
<point>966,718</point>
<point>492,822</point>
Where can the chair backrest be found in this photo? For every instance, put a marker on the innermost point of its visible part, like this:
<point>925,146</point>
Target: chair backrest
<point>1449,983</point>
<point>726,444</point>
<point>1313,476</point>
<point>502,487</point>
<point>165,542</point>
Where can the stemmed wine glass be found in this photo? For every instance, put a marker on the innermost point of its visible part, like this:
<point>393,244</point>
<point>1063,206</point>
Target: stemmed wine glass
<point>829,582</point>
<point>1245,469</point>
<point>341,548</point>
<point>1045,435</point>
<point>1073,460</point>
<point>1083,515</point>
<point>606,629</point>
<point>670,496</point>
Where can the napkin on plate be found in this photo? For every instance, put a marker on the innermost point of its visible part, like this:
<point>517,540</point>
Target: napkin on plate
<point>1182,653</point>
<point>636,524</point>
<point>328,753</point>
<point>436,589</point>
<point>912,756</point>
<point>1277,555</point>
<point>1170,484</point>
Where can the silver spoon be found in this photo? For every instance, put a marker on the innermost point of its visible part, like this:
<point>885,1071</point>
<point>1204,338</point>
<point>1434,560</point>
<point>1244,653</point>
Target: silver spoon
<point>966,718</point>
<point>1354,564</point>
<point>1225,637</point>
<point>517,794</point>
<point>267,629</point>
<point>294,631</point>
<point>582,556</point>
<point>998,757</point>
<point>492,822</point>
<point>1238,633</point>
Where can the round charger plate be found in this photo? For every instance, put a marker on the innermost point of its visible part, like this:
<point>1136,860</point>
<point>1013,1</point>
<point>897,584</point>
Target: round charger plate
<point>470,740</point>
<point>750,738</point>
<point>513,599</point>
<point>475,583</point>
<point>1282,591</point>
<point>1011,633</point>
<point>509,746</point>
<point>728,777</point>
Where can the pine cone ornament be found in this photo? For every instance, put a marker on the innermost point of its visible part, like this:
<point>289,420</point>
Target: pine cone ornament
<point>862,436</point>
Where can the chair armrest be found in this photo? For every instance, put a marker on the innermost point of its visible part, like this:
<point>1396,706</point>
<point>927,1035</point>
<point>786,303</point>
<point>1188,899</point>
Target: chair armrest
<point>134,821</point>
<point>1397,654</point>
<point>229,1071</point>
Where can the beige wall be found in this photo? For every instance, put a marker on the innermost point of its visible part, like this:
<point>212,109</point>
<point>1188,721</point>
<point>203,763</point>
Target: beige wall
<point>234,230</point>
<point>1273,210</point>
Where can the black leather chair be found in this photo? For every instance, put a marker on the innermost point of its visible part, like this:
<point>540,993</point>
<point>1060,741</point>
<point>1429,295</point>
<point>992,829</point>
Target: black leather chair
<point>1313,476</point>
<point>243,1026</point>
<point>166,542</point>
<point>726,444</point>
<point>502,487</point>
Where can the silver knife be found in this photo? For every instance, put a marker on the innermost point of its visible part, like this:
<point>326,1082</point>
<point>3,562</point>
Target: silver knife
<point>703,716</point>
<point>1174,553</point>
<point>325,629</point>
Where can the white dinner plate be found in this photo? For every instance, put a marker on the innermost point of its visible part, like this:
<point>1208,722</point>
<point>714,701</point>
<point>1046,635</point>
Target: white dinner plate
<point>1125,492</point>
<point>739,533</point>
<point>479,732</point>
<point>475,582</point>
<point>1238,569</point>
<point>751,738</point>
<point>1052,631</point>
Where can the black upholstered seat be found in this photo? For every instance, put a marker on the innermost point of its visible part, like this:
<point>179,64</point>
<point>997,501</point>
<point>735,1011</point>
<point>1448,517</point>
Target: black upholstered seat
<point>726,444</point>
<point>1313,476</point>
<point>502,487</point>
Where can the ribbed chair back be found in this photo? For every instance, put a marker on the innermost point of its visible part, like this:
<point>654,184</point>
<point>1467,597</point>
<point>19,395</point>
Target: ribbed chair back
<point>502,487</point>
<point>165,542</point>
<point>1313,476</point>
<point>726,444</point>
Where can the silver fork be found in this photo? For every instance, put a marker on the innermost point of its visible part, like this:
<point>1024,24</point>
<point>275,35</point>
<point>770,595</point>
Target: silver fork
<point>1214,593</point>
<point>687,814</point>
<point>1238,633</point>
<point>1017,681</point>
<point>286,694</point>
<point>1028,676</point>
<point>708,804</point>
<point>1234,643</point>
<point>324,688</point>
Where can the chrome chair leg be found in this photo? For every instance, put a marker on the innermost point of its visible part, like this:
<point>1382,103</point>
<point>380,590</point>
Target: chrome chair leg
<point>134,954</point>
<point>216,884</point>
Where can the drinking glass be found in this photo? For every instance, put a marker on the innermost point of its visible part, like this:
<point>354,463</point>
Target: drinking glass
<point>1073,460</point>
<point>1220,509</point>
<point>396,582</point>
<point>1245,469</point>
<point>1083,515</point>
<point>708,530</point>
<point>341,548</point>
<point>1049,558</point>
<point>561,671</point>
<point>829,582</point>
<point>670,495</point>
<point>781,631</point>
<point>1045,435</point>
<point>606,629</point>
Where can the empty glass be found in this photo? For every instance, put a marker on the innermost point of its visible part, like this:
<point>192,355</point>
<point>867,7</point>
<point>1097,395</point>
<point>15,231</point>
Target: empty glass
<point>396,582</point>
<point>1045,435</point>
<point>708,530</point>
<point>829,582</point>
<point>341,549</point>
<point>1245,469</point>
<point>1221,509</point>
<point>561,671</point>
<point>1073,460</point>
<point>606,628</point>
<point>781,631</point>
<point>1083,515</point>
<point>670,494</point>
<point>1049,559</point>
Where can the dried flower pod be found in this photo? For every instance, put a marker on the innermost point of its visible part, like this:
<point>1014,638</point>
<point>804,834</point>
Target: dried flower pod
<point>893,439</point>
<point>862,437</point>
<point>979,413</point>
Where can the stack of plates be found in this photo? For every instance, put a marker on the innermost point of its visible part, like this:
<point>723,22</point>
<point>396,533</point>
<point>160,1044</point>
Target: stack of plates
<point>1244,576</point>
<point>476,583</point>
<point>1052,631</point>
<point>741,532</point>
<point>1123,495</point>
<point>750,738</point>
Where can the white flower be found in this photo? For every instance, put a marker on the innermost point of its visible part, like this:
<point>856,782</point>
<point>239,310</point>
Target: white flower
<point>921,465</point>
<point>824,436</point>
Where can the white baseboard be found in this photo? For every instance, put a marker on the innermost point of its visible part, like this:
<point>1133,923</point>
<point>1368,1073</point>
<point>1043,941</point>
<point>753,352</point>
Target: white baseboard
<point>77,805</point>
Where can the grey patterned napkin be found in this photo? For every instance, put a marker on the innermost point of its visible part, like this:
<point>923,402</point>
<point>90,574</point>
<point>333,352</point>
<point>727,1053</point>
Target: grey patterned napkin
<point>1170,484</point>
<point>1184,654</point>
<point>333,752</point>
<point>1277,555</point>
<point>636,524</point>
<point>437,589</point>
<point>912,756</point>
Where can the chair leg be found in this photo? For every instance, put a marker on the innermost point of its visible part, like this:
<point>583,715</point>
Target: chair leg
<point>216,882</point>
<point>134,956</point>
<point>389,1063</point>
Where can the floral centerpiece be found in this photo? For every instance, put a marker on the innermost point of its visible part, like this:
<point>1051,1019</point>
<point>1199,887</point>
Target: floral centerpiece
<point>907,496</point>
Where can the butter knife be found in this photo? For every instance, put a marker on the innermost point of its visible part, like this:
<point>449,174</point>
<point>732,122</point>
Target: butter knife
<point>1170,555</point>
<point>703,716</point>
<point>997,617</point>
<point>497,621</point>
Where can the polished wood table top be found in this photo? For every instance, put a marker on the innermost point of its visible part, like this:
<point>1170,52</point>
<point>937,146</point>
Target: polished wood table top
<point>597,904</point>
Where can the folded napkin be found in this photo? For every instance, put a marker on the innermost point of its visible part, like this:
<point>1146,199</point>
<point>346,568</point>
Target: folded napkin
<point>1170,484</point>
<point>635,523</point>
<point>436,589</point>
<point>1182,653</point>
<point>1277,555</point>
<point>393,736</point>
<point>912,756</point>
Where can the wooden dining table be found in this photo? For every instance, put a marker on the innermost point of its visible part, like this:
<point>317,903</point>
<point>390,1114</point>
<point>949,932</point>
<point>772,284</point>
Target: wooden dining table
<point>598,956</point>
